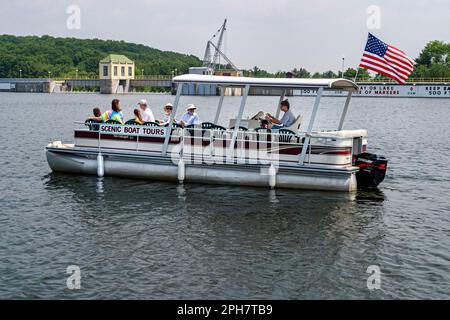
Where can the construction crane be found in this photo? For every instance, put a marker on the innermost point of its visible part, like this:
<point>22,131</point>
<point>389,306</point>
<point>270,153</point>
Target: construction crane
<point>212,61</point>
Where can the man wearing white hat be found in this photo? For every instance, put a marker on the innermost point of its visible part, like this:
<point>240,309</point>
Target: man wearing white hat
<point>190,117</point>
<point>147,114</point>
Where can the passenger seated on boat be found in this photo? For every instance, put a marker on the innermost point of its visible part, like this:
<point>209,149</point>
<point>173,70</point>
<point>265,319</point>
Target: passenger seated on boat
<point>190,117</point>
<point>146,112</point>
<point>93,122</point>
<point>168,108</point>
<point>97,113</point>
<point>286,121</point>
<point>114,114</point>
<point>265,124</point>
<point>138,117</point>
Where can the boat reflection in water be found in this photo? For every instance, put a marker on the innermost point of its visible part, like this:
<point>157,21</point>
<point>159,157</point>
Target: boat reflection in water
<point>265,208</point>
<point>246,241</point>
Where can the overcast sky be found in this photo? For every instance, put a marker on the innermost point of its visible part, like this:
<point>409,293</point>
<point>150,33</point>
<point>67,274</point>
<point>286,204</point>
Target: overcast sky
<point>272,34</point>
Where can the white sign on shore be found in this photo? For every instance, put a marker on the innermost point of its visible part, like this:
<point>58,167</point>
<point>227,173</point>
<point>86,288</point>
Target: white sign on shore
<point>389,90</point>
<point>129,130</point>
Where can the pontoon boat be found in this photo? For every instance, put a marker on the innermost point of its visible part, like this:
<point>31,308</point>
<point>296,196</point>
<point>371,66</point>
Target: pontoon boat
<point>241,154</point>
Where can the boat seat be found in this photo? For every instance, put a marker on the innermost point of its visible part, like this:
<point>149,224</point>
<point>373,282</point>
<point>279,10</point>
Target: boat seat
<point>266,137</point>
<point>93,124</point>
<point>285,135</point>
<point>190,129</point>
<point>219,131</point>
<point>174,125</point>
<point>207,125</point>
<point>240,129</point>
<point>113,122</point>
<point>217,127</point>
<point>131,122</point>
<point>296,125</point>
<point>151,124</point>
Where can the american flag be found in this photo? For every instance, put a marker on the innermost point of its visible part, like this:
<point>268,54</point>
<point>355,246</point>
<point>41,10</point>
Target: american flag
<point>386,59</point>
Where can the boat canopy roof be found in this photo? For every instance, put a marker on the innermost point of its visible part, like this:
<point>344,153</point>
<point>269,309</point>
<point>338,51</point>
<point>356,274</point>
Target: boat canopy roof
<point>291,83</point>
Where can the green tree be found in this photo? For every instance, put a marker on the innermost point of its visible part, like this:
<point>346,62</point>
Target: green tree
<point>350,73</point>
<point>434,52</point>
<point>329,74</point>
<point>301,73</point>
<point>433,61</point>
<point>35,56</point>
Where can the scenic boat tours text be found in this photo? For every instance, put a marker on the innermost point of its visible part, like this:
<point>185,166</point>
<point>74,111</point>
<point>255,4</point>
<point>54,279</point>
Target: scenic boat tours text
<point>134,130</point>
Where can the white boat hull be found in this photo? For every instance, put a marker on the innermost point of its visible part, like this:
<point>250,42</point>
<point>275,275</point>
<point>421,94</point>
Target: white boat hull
<point>158,167</point>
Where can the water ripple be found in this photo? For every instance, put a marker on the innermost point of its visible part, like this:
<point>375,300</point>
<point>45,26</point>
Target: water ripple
<point>141,239</point>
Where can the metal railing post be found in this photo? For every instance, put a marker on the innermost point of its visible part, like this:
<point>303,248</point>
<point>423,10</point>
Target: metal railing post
<point>283,93</point>
<point>219,107</point>
<point>238,120</point>
<point>344,112</point>
<point>310,126</point>
<point>137,143</point>
<point>172,115</point>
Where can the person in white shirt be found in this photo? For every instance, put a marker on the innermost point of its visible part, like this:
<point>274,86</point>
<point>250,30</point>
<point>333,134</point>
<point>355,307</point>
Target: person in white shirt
<point>168,108</point>
<point>146,113</point>
<point>190,117</point>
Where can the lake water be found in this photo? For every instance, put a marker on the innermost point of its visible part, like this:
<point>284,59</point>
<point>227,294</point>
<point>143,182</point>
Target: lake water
<point>144,239</point>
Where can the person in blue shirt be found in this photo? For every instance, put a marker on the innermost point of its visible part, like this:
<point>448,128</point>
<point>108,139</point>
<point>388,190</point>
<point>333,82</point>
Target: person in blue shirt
<point>190,117</point>
<point>287,120</point>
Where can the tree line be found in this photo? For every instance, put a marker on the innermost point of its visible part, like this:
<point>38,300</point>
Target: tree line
<point>37,57</point>
<point>62,57</point>
<point>432,62</point>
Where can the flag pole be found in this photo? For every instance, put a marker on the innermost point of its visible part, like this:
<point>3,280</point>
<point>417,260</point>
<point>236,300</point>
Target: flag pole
<point>356,75</point>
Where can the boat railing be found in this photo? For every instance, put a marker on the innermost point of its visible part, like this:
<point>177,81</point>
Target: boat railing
<point>216,140</point>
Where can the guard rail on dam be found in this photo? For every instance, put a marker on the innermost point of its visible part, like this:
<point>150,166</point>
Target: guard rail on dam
<point>25,85</point>
<point>49,85</point>
<point>119,86</point>
<point>414,87</point>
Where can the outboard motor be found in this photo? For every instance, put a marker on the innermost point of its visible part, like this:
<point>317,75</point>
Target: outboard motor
<point>372,169</point>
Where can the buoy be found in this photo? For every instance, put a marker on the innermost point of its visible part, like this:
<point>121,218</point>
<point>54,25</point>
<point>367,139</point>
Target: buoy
<point>181,170</point>
<point>272,176</point>
<point>100,165</point>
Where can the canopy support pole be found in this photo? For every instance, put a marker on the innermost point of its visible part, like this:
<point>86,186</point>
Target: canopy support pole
<point>172,115</point>
<point>344,112</point>
<point>239,117</point>
<point>310,126</point>
<point>219,107</point>
<point>283,93</point>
